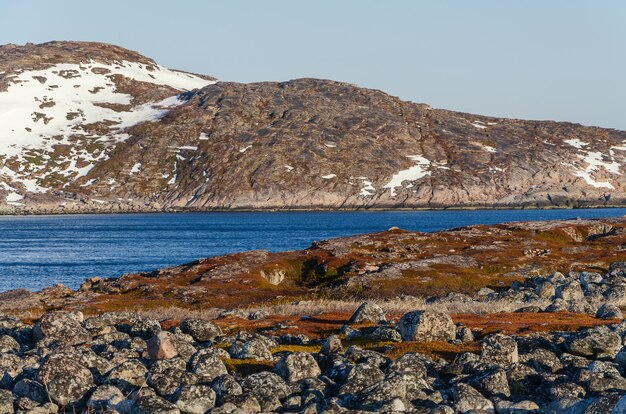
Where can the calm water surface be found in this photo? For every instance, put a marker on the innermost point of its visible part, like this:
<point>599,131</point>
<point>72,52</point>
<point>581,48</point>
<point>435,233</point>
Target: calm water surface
<point>39,251</point>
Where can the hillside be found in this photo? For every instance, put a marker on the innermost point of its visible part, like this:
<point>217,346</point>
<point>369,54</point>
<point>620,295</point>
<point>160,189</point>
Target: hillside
<point>93,127</point>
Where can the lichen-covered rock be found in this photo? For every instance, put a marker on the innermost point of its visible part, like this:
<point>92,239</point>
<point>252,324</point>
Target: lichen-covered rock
<point>570,291</point>
<point>200,330</point>
<point>128,375</point>
<point>31,389</point>
<point>195,399</point>
<point>253,349</point>
<point>355,378</point>
<point>468,400</point>
<point>66,381</point>
<point>332,345</point>
<point>267,387</point>
<point>6,402</point>
<point>296,366</point>
<point>226,385</point>
<point>542,360</point>
<point>64,326</point>
<point>599,342</point>
<point>166,383</point>
<point>376,395</point>
<point>8,344</point>
<point>426,326</point>
<point>207,364</point>
<point>105,397</point>
<point>499,350</point>
<point>492,383</point>
<point>368,312</point>
<point>144,328</point>
<point>608,311</point>
<point>152,404</point>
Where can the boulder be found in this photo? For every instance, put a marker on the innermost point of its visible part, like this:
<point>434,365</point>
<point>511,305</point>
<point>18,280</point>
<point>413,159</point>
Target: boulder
<point>66,381</point>
<point>368,312</point>
<point>608,311</point>
<point>598,342</point>
<point>570,291</point>
<point>152,404</point>
<point>200,330</point>
<point>499,350</point>
<point>207,365</point>
<point>161,346</point>
<point>226,385</point>
<point>128,375</point>
<point>252,349</point>
<point>64,326</point>
<point>268,388</point>
<point>195,399</point>
<point>6,402</point>
<point>426,326</point>
<point>468,400</point>
<point>297,366</point>
<point>104,397</point>
<point>332,345</point>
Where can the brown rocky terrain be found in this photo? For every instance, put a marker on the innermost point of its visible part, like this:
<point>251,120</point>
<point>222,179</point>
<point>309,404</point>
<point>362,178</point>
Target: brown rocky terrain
<point>301,144</point>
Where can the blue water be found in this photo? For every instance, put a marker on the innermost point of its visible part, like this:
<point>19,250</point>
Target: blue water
<point>39,251</point>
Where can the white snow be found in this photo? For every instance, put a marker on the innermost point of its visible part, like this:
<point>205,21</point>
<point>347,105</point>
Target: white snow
<point>330,144</point>
<point>576,143</point>
<point>188,147</point>
<point>244,149</point>
<point>367,189</point>
<point>44,108</point>
<point>329,176</point>
<point>289,168</point>
<point>136,168</point>
<point>203,137</point>
<point>478,124</point>
<point>412,174</point>
<point>14,197</point>
<point>489,148</point>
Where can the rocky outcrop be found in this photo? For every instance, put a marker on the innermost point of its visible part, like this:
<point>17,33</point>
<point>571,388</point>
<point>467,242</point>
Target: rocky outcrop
<point>141,137</point>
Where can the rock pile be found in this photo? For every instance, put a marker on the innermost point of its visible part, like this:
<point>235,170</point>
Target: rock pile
<point>125,363</point>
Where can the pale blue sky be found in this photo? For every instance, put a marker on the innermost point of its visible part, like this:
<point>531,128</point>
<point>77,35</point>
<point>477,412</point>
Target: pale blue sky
<point>532,59</point>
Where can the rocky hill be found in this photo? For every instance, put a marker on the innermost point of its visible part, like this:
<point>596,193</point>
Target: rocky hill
<point>93,127</point>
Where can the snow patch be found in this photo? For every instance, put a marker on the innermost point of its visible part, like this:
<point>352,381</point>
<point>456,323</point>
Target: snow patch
<point>329,176</point>
<point>411,174</point>
<point>136,168</point>
<point>244,149</point>
<point>576,143</point>
<point>330,144</point>
<point>289,168</point>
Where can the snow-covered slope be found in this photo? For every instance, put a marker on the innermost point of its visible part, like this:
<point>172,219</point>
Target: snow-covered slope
<point>60,120</point>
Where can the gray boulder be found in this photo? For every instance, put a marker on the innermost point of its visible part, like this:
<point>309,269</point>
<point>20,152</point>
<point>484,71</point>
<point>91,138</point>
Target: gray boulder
<point>200,330</point>
<point>297,366</point>
<point>207,364</point>
<point>368,312</point>
<point>608,311</point>
<point>499,350</point>
<point>66,381</point>
<point>195,399</point>
<point>252,349</point>
<point>468,400</point>
<point>268,388</point>
<point>64,326</point>
<point>152,404</point>
<point>570,290</point>
<point>105,397</point>
<point>598,342</point>
<point>427,326</point>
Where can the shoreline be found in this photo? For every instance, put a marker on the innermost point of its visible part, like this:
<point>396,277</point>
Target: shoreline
<point>312,210</point>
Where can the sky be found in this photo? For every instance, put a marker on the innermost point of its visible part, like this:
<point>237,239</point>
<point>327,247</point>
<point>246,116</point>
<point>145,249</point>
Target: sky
<point>561,60</point>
